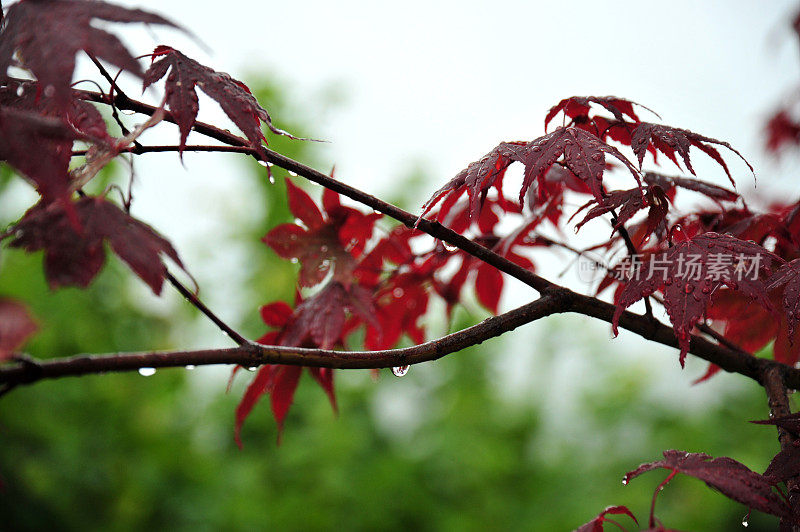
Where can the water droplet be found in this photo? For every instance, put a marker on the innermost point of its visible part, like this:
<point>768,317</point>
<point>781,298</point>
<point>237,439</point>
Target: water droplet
<point>688,288</point>
<point>265,164</point>
<point>293,260</point>
<point>400,371</point>
<point>398,292</point>
<point>147,372</point>
<point>293,174</point>
<point>20,90</point>
<point>49,91</point>
<point>252,368</point>
<point>745,523</point>
<point>624,481</point>
<point>449,247</point>
<point>190,367</point>
<point>271,179</point>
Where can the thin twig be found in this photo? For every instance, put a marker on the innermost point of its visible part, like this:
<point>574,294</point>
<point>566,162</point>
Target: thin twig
<point>195,301</point>
<point>626,237</point>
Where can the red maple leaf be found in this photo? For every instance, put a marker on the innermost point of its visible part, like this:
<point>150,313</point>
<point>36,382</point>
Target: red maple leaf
<point>784,465</point>
<point>669,183</point>
<point>320,319</point>
<point>316,322</point>
<point>325,241</point>
<point>40,148</point>
<point>400,303</point>
<point>477,179</point>
<point>578,107</point>
<point>731,478</point>
<point>401,283</point>
<point>596,524</point>
<point>788,276</point>
<point>690,272</point>
<point>629,202</point>
<point>36,136</point>
<point>47,34</point>
<point>16,326</point>
<point>583,153</point>
<point>556,182</point>
<point>752,327</point>
<point>186,74</point>
<point>671,141</point>
<point>79,114</point>
<point>73,257</point>
<point>781,130</point>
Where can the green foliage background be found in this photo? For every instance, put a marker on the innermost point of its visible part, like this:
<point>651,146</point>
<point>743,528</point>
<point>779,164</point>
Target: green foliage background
<point>444,448</point>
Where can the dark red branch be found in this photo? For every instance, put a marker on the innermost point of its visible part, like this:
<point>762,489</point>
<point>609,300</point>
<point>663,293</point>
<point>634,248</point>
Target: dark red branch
<point>255,355</point>
<point>552,302</point>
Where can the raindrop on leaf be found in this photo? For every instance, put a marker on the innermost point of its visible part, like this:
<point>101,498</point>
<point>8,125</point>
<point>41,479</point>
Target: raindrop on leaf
<point>147,372</point>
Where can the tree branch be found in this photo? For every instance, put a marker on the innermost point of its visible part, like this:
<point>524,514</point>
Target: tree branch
<point>254,354</point>
<point>778,400</point>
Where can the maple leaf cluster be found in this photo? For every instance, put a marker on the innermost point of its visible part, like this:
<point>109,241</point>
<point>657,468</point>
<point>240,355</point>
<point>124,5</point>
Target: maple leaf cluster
<point>354,272</point>
<point>571,162</point>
